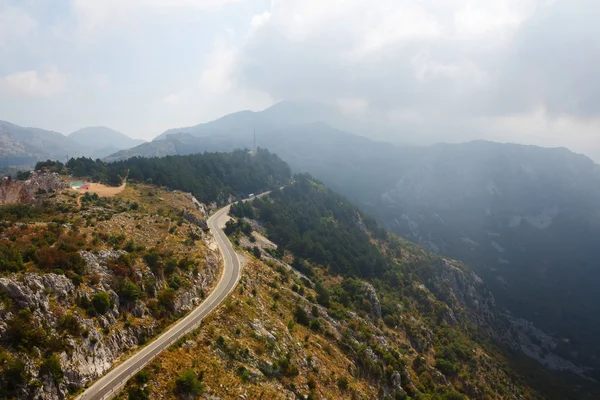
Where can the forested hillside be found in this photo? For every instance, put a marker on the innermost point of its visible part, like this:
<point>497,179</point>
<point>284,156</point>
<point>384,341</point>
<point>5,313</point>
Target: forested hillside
<point>457,320</point>
<point>210,177</point>
<point>525,218</point>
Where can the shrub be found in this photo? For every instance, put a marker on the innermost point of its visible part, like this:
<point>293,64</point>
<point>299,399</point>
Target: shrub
<point>243,374</point>
<point>128,291</point>
<point>447,367</point>
<point>10,259</point>
<point>101,302</point>
<point>51,366</point>
<point>315,325</point>
<point>285,366</point>
<point>15,373</point>
<point>342,383</point>
<point>322,295</point>
<point>170,266</point>
<point>51,259</point>
<point>142,377</point>
<point>166,299</point>
<point>152,259</point>
<point>301,316</point>
<point>138,393</point>
<point>25,332</point>
<point>69,323</point>
<point>188,383</point>
<point>453,395</point>
<point>176,282</point>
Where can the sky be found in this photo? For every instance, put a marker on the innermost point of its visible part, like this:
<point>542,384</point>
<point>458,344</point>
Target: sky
<point>522,71</point>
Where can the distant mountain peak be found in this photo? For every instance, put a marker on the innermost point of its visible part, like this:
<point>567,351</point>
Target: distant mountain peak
<point>103,139</point>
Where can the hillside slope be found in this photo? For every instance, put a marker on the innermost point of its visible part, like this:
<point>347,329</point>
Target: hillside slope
<point>82,286</point>
<point>85,279</point>
<point>23,147</point>
<point>524,217</point>
<point>362,314</point>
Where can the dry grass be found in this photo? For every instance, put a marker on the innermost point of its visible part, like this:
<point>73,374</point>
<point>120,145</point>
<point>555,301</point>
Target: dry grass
<point>318,358</point>
<point>102,190</point>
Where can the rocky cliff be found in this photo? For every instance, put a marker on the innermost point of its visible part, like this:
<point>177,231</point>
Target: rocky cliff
<point>468,292</point>
<point>15,191</point>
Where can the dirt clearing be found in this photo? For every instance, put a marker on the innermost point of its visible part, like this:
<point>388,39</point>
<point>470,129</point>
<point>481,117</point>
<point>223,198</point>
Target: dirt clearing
<point>102,190</point>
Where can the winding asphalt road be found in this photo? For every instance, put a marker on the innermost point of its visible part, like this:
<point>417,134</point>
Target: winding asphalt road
<point>109,384</point>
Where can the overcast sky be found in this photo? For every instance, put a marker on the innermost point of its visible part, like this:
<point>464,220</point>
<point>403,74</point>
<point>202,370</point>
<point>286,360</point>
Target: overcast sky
<point>437,70</point>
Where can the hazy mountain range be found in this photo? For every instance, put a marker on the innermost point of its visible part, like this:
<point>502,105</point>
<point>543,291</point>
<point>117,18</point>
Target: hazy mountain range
<point>103,141</point>
<point>23,146</point>
<point>526,218</point>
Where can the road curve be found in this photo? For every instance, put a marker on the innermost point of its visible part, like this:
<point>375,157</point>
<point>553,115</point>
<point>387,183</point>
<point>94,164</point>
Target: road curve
<point>110,383</point>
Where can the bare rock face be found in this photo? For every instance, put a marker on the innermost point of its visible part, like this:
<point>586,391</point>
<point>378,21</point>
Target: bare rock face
<point>196,221</point>
<point>452,284</point>
<point>467,289</point>
<point>14,191</point>
<point>31,291</point>
<point>397,381</point>
<point>96,262</point>
<point>371,295</point>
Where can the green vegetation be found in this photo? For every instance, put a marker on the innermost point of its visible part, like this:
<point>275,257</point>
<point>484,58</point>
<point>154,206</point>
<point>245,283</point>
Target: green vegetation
<point>318,225</point>
<point>330,238</point>
<point>139,245</point>
<point>211,177</point>
<point>301,316</point>
<point>188,383</point>
<point>51,367</point>
<point>101,302</point>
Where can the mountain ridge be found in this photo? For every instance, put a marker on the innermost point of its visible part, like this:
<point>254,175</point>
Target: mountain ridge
<point>524,217</point>
<point>102,137</point>
<point>22,147</point>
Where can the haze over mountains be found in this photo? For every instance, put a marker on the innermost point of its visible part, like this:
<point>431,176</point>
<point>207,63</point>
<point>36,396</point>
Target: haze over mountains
<point>22,147</point>
<point>526,218</point>
<point>103,141</point>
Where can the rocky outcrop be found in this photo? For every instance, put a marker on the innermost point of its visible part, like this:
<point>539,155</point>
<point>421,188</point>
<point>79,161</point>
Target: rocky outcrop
<point>454,285</point>
<point>104,338</point>
<point>468,291</point>
<point>371,295</point>
<point>96,262</point>
<point>33,291</point>
<point>15,191</point>
<point>201,222</point>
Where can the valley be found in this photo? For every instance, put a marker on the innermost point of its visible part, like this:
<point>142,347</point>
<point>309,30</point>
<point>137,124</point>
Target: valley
<point>525,218</point>
<point>515,214</point>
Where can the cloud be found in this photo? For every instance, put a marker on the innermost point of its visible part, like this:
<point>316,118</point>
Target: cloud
<point>217,91</point>
<point>392,53</point>
<point>419,71</point>
<point>32,84</point>
<point>98,15</point>
<point>435,70</point>
<point>14,23</point>
<point>172,99</point>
